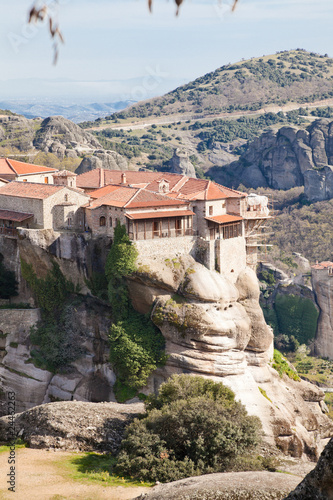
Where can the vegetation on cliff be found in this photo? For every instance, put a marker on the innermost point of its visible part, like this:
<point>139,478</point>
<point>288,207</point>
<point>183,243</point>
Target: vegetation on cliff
<point>194,426</point>
<point>56,337</point>
<point>136,344</point>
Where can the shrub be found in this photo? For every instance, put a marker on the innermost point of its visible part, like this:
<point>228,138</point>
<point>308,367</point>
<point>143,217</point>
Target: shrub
<point>194,426</point>
<point>136,344</point>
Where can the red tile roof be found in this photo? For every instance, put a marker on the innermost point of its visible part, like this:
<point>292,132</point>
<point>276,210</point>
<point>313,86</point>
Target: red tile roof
<point>323,265</point>
<point>14,216</point>
<point>8,166</point>
<point>158,214</point>
<point>224,219</point>
<point>180,186</point>
<point>29,190</point>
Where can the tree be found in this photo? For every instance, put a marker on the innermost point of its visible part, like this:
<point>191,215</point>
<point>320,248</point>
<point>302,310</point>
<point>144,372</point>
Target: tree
<point>194,426</point>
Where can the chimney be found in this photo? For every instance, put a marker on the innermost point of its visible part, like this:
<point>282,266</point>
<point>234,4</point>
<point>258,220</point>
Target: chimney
<point>101,178</point>
<point>123,178</point>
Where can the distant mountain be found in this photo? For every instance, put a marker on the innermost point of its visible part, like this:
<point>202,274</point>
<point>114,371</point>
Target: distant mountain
<point>75,112</point>
<point>295,76</point>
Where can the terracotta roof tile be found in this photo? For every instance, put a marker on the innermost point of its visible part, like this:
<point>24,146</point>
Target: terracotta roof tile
<point>224,219</point>
<point>14,216</point>
<point>323,265</point>
<point>29,190</point>
<point>21,168</point>
<point>180,186</point>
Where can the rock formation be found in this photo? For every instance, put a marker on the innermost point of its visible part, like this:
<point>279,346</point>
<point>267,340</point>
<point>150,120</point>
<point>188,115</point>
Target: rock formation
<point>73,425</point>
<point>216,329</point>
<point>17,131</point>
<point>287,158</point>
<point>322,283</point>
<point>64,138</point>
<point>180,163</point>
<point>318,484</point>
<point>213,327</point>
<point>110,160</point>
<point>226,486</point>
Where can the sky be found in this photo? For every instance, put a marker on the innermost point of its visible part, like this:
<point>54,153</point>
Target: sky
<point>117,50</point>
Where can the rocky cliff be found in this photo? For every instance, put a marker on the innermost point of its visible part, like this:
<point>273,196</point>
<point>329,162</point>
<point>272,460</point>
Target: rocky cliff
<point>287,158</point>
<point>64,138</point>
<point>212,327</point>
<point>180,163</point>
<point>322,283</point>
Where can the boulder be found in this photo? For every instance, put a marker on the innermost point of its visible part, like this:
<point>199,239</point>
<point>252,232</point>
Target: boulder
<point>318,484</point>
<point>226,486</point>
<point>180,163</point>
<point>110,160</point>
<point>72,425</point>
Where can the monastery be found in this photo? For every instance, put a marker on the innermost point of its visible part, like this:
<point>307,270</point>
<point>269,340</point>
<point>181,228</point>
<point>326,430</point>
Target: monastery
<point>164,213</point>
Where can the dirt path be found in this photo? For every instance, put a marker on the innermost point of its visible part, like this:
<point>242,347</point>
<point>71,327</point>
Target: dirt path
<point>39,477</point>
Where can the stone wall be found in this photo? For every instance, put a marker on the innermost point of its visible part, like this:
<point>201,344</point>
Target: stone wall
<point>63,197</point>
<point>231,256</point>
<point>111,214</point>
<point>26,205</point>
<point>167,247</point>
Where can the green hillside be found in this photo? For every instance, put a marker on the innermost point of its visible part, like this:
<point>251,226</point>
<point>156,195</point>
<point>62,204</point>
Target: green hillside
<point>295,76</point>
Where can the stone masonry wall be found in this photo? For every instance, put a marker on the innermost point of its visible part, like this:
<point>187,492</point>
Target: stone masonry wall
<point>231,256</point>
<point>168,247</point>
<point>76,198</point>
<point>27,205</point>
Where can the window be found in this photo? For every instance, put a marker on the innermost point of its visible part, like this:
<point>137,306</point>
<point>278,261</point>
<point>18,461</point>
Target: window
<point>194,209</point>
<point>210,208</point>
<point>102,221</point>
<point>66,197</point>
<point>25,180</point>
<point>69,222</point>
<point>46,180</point>
<point>110,221</point>
<point>223,204</point>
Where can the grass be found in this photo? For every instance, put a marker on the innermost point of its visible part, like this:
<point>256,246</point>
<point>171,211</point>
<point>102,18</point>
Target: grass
<point>19,444</point>
<point>314,369</point>
<point>95,468</point>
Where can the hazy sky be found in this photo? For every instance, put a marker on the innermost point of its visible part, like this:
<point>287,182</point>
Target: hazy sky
<point>115,48</point>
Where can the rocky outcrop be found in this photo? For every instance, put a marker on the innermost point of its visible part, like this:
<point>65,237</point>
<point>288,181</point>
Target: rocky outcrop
<point>287,158</point>
<point>17,131</point>
<point>74,425</point>
<point>322,286</point>
<point>216,329</point>
<point>90,378</point>
<point>226,486</point>
<point>63,137</point>
<point>212,326</point>
<point>318,484</point>
<point>110,160</point>
<point>180,163</point>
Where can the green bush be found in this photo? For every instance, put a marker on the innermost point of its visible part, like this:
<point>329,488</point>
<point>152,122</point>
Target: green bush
<point>136,344</point>
<point>56,337</point>
<point>281,365</point>
<point>192,427</point>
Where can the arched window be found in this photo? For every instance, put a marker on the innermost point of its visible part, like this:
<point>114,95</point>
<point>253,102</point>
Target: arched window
<point>66,197</point>
<point>102,221</point>
<point>110,221</point>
